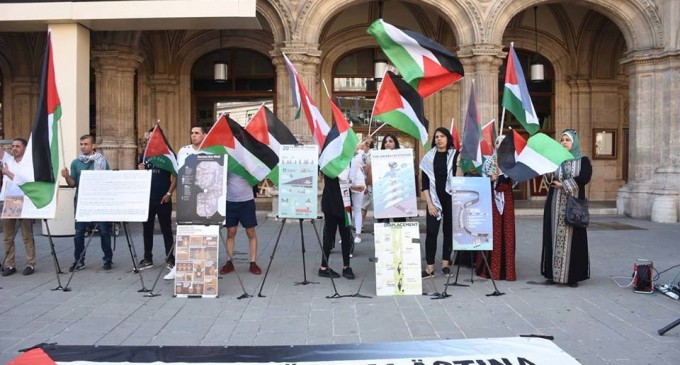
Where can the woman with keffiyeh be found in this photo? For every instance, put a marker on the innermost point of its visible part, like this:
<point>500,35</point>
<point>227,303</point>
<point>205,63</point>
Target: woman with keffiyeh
<point>565,248</point>
<point>438,166</point>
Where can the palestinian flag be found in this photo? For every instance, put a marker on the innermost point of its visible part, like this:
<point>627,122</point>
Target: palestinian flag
<point>524,160</point>
<point>456,137</point>
<point>425,64</point>
<point>159,153</point>
<point>516,97</point>
<point>40,164</point>
<point>472,133</point>
<point>317,124</point>
<point>340,144</point>
<point>398,105</point>
<point>248,157</point>
<point>487,144</point>
<point>265,127</point>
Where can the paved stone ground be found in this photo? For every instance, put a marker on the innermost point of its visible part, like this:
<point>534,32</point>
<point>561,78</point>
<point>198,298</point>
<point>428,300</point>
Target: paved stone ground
<point>597,323</point>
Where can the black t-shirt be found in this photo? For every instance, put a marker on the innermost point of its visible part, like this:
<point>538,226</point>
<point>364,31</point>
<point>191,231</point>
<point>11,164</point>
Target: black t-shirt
<point>160,182</point>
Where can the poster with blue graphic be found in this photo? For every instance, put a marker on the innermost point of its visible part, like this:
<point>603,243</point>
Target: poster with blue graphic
<point>394,183</point>
<point>471,211</point>
<point>298,181</point>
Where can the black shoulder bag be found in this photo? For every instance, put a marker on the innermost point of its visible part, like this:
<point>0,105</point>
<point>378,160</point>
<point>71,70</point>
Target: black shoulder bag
<point>577,212</point>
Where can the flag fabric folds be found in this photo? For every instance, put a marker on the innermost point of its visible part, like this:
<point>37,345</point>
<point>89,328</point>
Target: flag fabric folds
<point>516,97</point>
<point>400,106</point>
<point>487,144</point>
<point>470,149</point>
<point>317,125</point>
<point>340,144</point>
<point>425,64</point>
<point>524,160</point>
<point>40,165</point>
<point>159,153</point>
<point>265,127</point>
<point>248,157</point>
<point>456,137</point>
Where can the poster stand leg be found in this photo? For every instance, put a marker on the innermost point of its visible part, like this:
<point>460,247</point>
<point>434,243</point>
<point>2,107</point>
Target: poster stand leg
<point>150,293</point>
<point>82,256</point>
<point>455,282</point>
<point>271,258</point>
<point>57,268</point>
<point>245,293</point>
<point>495,293</point>
<point>361,284</point>
<point>669,327</point>
<point>304,265</point>
<point>133,255</point>
<point>318,238</point>
<point>472,267</point>
<point>445,294</point>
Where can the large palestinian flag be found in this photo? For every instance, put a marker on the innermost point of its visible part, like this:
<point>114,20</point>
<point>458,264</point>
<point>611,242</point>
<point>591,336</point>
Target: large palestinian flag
<point>40,165</point>
<point>472,133</point>
<point>159,153</point>
<point>265,127</point>
<point>400,106</point>
<point>516,97</point>
<point>425,64</point>
<point>340,144</point>
<point>248,157</point>
<point>524,160</point>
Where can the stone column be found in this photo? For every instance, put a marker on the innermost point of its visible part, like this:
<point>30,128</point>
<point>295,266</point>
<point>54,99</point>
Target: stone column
<point>165,108</point>
<point>306,59</point>
<point>481,64</point>
<point>654,162</point>
<point>115,73</point>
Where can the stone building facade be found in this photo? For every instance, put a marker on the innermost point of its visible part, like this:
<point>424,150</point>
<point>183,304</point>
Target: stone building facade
<point>612,72</point>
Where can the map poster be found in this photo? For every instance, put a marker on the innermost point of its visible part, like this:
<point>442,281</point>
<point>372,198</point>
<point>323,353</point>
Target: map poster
<point>196,260</point>
<point>202,190</point>
<point>397,248</point>
<point>471,211</point>
<point>113,196</point>
<point>298,181</point>
<point>394,184</point>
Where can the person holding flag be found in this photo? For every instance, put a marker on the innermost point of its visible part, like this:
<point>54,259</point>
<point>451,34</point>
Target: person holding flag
<point>438,166</point>
<point>89,159</point>
<point>160,160</point>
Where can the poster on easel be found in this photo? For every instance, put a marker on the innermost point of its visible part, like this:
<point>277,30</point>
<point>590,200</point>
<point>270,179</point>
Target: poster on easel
<point>113,196</point>
<point>397,249</point>
<point>394,184</point>
<point>202,190</point>
<point>298,181</point>
<point>196,259</point>
<point>471,213</point>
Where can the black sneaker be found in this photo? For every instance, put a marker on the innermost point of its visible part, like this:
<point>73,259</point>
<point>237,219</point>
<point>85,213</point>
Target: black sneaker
<point>328,273</point>
<point>28,270</point>
<point>7,271</point>
<point>76,267</point>
<point>144,264</point>
<point>427,275</point>
<point>446,271</point>
<point>348,273</point>
<point>107,265</point>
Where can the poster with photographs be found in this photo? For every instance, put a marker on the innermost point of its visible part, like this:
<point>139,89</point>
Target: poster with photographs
<point>113,196</point>
<point>196,260</point>
<point>394,184</point>
<point>202,190</point>
<point>298,180</point>
<point>397,248</point>
<point>471,211</point>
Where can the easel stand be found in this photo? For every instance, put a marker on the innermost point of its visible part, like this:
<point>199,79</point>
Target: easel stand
<point>80,259</point>
<point>669,327</point>
<point>57,268</point>
<point>150,293</point>
<point>238,276</point>
<point>495,293</point>
<point>133,255</point>
<point>271,258</point>
<point>455,282</point>
<point>335,289</point>
<point>361,284</point>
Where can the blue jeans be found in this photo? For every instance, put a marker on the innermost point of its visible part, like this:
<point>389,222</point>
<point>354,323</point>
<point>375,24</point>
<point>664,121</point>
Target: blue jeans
<point>104,234</point>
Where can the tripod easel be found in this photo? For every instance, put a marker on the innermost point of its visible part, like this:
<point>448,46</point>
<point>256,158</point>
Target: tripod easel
<point>669,327</point>
<point>304,266</point>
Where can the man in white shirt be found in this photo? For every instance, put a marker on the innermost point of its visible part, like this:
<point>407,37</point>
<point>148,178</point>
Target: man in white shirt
<point>197,135</point>
<point>9,188</point>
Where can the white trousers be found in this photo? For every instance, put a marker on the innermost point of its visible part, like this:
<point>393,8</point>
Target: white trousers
<point>357,199</point>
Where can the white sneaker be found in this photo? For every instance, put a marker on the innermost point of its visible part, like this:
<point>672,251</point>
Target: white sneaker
<point>357,239</point>
<point>170,275</point>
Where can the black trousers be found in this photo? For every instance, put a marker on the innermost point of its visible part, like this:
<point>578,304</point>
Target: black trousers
<point>433,230</point>
<point>164,213</point>
<point>331,225</point>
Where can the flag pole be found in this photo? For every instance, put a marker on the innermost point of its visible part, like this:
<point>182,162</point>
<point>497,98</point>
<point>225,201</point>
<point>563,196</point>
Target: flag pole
<point>500,131</point>
<point>376,130</point>
<point>452,121</point>
<point>325,88</point>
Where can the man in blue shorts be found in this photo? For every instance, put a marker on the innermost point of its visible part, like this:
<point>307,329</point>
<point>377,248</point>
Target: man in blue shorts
<point>240,208</point>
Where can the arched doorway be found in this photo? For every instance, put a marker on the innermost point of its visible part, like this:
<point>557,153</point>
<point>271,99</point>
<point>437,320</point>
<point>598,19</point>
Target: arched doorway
<point>251,81</point>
